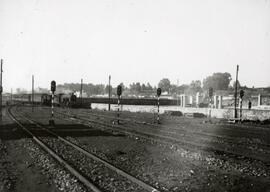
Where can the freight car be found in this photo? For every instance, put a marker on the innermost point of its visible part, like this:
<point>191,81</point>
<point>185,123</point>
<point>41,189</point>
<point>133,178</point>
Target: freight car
<point>70,100</point>
<point>39,99</point>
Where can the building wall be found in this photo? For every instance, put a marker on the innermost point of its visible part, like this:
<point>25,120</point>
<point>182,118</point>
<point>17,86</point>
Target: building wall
<point>252,114</point>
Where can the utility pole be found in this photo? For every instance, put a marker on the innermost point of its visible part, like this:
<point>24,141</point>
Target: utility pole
<point>11,96</point>
<point>81,90</point>
<point>235,93</point>
<point>109,92</point>
<point>178,102</point>
<point>33,93</point>
<point>1,90</point>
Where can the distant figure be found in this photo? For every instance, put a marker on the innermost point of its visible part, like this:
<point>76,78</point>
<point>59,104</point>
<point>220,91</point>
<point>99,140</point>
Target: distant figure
<point>249,104</point>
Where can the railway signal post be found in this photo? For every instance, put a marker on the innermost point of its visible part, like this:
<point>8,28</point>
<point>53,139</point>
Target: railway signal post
<point>210,92</point>
<point>81,92</point>
<point>53,88</point>
<point>11,96</point>
<point>119,93</point>
<point>1,90</point>
<point>158,95</point>
<point>241,102</point>
<point>235,93</point>
<point>33,101</point>
<point>109,107</point>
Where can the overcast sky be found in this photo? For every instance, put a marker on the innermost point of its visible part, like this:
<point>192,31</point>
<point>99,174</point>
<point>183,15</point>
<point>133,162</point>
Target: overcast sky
<point>133,40</point>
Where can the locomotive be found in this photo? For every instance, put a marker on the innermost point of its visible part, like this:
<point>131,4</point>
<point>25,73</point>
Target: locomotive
<point>45,99</point>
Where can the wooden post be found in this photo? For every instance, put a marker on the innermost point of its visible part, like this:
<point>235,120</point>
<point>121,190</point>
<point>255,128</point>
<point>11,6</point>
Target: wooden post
<point>1,90</point>
<point>109,107</point>
<point>81,91</point>
<point>118,110</point>
<point>33,93</point>
<point>235,93</point>
<point>158,120</point>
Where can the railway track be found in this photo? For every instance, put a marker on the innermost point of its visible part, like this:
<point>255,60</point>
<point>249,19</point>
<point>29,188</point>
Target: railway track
<point>225,166</point>
<point>180,131</point>
<point>173,130</point>
<point>173,137</point>
<point>240,154</point>
<point>77,172</point>
<point>229,126</point>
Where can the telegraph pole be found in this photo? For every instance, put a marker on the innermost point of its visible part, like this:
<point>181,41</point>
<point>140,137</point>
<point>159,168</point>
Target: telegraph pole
<point>235,93</point>
<point>33,93</point>
<point>109,92</point>
<point>81,90</point>
<point>11,96</point>
<point>1,90</point>
<point>178,101</point>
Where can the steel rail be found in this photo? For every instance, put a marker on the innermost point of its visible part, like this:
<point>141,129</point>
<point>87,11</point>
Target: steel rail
<point>96,158</point>
<point>60,160</point>
<point>243,127</point>
<point>246,128</point>
<point>227,139</point>
<point>147,135</point>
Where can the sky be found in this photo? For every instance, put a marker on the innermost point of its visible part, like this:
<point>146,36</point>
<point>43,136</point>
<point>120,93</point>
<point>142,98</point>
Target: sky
<point>133,41</point>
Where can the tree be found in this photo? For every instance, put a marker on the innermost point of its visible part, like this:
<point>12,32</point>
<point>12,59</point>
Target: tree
<point>195,86</point>
<point>135,88</point>
<point>123,86</point>
<point>107,89</point>
<point>143,87</point>
<point>99,89</point>
<point>164,84</point>
<point>238,85</point>
<point>21,91</point>
<point>174,89</point>
<point>219,81</point>
<point>149,87</point>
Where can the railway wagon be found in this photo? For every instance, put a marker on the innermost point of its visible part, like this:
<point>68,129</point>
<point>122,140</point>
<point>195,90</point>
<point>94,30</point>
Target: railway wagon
<point>128,101</point>
<point>39,98</point>
<point>71,100</point>
<point>86,102</point>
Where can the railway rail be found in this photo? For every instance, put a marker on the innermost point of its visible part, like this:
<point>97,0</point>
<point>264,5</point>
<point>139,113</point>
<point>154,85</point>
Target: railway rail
<point>151,122</point>
<point>183,133</point>
<point>172,130</point>
<point>229,127</point>
<point>77,173</point>
<point>178,138</point>
<point>231,164</point>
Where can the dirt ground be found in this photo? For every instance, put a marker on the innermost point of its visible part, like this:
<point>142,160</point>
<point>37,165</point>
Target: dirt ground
<point>18,172</point>
<point>169,167</point>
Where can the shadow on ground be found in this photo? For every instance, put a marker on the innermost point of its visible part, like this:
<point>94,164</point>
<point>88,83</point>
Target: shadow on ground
<point>14,132</point>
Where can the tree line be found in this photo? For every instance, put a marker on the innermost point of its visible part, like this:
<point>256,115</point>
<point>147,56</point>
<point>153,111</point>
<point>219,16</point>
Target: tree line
<point>218,81</point>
